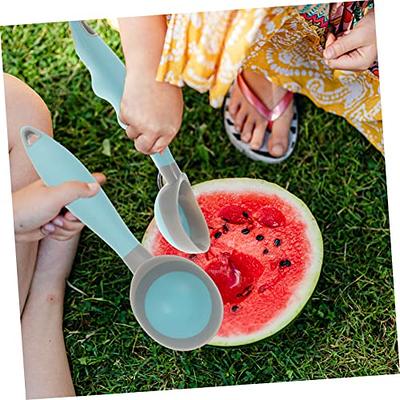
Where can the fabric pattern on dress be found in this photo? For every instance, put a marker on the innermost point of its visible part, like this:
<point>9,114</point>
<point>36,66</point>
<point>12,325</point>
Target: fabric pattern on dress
<point>285,44</point>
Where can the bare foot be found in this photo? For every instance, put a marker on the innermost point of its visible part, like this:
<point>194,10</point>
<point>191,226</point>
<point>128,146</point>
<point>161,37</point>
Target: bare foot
<point>251,124</point>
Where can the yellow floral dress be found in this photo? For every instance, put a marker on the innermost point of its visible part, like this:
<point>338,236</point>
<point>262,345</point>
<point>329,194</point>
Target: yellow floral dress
<point>206,51</point>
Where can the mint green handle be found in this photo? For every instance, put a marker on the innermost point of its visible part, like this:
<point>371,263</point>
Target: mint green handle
<point>108,74</point>
<point>56,165</point>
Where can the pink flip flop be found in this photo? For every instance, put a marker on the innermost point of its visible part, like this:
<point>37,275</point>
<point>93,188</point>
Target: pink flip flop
<point>261,154</point>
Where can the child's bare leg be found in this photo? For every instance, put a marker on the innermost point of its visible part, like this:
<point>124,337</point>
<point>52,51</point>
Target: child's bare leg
<point>42,266</point>
<point>47,372</point>
<point>24,107</point>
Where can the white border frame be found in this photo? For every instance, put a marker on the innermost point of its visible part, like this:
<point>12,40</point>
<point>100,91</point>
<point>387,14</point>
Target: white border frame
<point>24,12</point>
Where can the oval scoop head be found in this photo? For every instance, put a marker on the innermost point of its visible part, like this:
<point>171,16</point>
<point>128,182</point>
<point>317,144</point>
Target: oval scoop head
<point>180,219</point>
<point>176,302</point>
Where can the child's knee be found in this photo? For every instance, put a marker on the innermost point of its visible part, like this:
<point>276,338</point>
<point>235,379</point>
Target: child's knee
<point>24,107</point>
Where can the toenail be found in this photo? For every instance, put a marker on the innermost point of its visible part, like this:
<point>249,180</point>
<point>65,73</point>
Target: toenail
<point>277,149</point>
<point>58,221</point>
<point>49,228</point>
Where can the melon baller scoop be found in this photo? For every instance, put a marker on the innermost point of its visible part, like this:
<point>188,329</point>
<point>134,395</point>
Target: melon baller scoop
<point>177,213</point>
<point>174,300</point>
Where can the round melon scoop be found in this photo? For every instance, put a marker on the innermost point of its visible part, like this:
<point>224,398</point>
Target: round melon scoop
<point>177,213</point>
<point>174,300</point>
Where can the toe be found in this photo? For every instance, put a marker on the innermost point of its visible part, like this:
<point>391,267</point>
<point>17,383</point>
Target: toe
<point>258,134</point>
<point>234,108</point>
<point>240,119</point>
<point>234,103</point>
<point>247,131</point>
<point>279,139</point>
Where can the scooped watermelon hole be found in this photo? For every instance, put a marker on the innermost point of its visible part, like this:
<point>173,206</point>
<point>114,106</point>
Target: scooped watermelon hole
<point>234,214</point>
<point>270,217</point>
<point>236,275</point>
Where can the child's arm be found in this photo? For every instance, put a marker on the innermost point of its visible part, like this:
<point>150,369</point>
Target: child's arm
<point>356,50</point>
<point>152,110</point>
<point>37,209</point>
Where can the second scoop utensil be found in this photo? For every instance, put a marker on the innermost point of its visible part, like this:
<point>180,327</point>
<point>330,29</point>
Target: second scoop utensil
<point>173,299</point>
<point>177,213</point>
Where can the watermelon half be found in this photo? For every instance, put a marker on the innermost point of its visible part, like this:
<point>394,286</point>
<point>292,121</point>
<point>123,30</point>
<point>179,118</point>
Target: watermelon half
<point>265,255</point>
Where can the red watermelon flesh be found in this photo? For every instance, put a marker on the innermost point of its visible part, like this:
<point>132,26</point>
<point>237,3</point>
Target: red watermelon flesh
<point>265,255</point>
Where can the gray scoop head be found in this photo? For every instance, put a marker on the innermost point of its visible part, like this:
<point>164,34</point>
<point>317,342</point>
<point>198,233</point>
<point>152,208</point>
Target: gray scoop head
<point>179,217</point>
<point>176,302</point>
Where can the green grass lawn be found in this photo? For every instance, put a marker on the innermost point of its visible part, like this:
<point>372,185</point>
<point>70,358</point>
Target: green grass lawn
<point>347,329</point>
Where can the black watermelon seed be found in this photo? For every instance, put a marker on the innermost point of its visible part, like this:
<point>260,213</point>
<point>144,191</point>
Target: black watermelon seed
<point>225,228</point>
<point>259,237</point>
<point>245,214</point>
<point>285,263</point>
<point>235,308</point>
<point>217,235</point>
<point>245,231</point>
<point>192,256</point>
<point>266,251</point>
<point>277,242</point>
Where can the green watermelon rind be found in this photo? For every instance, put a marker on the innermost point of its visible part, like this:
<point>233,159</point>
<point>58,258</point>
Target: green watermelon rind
<point>301,296</point>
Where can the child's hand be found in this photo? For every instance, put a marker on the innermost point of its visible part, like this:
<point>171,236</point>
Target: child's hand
<point>152,110</point>
<point>37,209</point>
<point>356,49</point>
